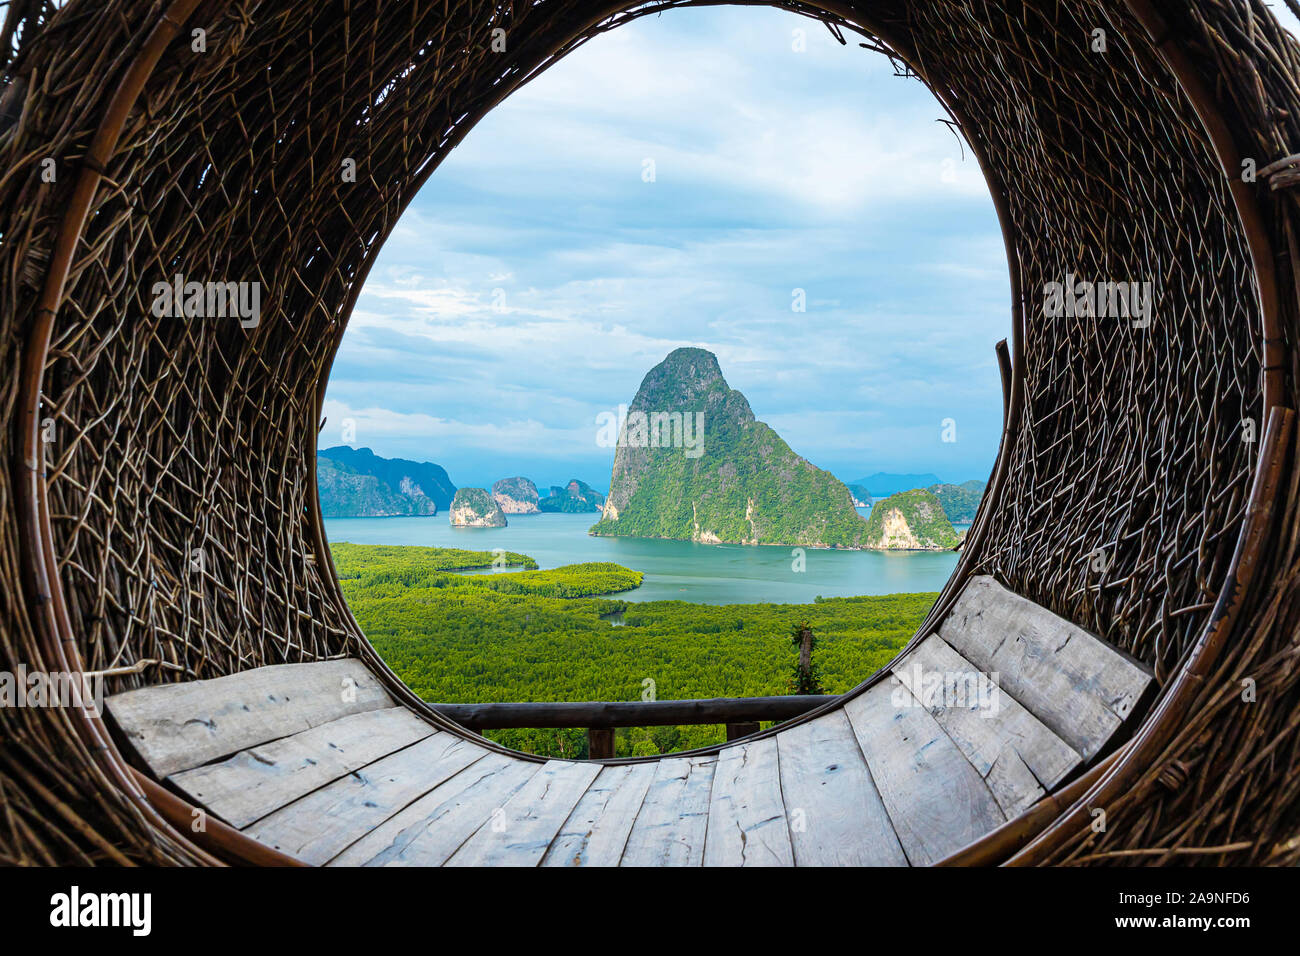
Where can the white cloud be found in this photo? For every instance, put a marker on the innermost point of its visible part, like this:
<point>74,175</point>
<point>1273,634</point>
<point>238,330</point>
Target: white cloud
<point>377,425</point>
<point>775,171</point>
<point>760,121</point>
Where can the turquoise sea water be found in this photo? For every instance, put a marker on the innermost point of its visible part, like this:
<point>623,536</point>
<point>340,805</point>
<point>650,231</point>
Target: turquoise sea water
<point>674,570</point>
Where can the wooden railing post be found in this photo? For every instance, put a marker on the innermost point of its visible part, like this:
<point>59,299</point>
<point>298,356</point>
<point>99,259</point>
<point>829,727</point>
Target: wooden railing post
<point>600,743</point>
<point>744,729</point>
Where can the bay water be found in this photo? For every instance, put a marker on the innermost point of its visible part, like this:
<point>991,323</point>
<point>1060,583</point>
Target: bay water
<point>674,570</point>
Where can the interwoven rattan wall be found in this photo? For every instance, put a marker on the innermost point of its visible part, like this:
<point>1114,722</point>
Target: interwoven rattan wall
<point>1128,495</point>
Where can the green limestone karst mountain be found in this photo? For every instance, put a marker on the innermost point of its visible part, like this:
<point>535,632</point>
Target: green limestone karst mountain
<point>910,521</point>
<point>475,508</point>
<point>357,483</point>
<point>516,496</point>
<point>693,463</point>
<point>346,492</point>
<point>576,497</point>
<point>959,501</point>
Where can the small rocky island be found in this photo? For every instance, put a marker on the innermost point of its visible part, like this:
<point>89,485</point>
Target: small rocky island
<point>475,508</point>
<point>516,496</point>
<point>910,521</point>
<point>577,497</point>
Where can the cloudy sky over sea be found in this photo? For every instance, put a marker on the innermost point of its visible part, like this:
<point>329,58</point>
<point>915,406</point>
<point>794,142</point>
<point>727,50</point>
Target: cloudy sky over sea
<point>538,276</point>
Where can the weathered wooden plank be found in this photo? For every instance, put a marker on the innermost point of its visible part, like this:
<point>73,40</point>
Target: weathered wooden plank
<point>598,828</point>
<point>530,820</point>
<point>431,829</point>
<point>1016,754</point>
<point>319,826</point>
<point>835,813</point>
<point>937,803</point>
<point>1076,684</point>
<point>176,727</point>
<point>257,781</point>
<point>747,823</point>
<point>669,830</point>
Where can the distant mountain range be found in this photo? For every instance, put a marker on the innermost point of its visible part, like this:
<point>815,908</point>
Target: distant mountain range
<point>883,484</point>
<point>744,486</point>
<point>399,486</point>
<point>357,483</point>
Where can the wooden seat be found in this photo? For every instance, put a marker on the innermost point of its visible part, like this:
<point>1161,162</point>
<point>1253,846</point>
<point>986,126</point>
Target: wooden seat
<point>974,725</point>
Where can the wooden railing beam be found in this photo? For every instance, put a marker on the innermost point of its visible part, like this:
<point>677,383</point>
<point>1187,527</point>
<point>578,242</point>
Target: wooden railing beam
<point>603,715</point>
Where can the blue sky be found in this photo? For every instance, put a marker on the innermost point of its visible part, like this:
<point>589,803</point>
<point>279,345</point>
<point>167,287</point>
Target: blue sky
<point>537,277</point>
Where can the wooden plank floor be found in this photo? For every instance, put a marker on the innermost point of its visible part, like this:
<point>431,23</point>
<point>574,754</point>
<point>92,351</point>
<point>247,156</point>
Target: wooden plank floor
<point>520,833</point>
<point>319,826</point>
<point>671,822</point>
<point>971,728</point>
<point>836,815</point>
<point>430,830</point>
<point>747,824</point>
<point>262,779</point>
<point>1008,746</point>
<point>1078,686</point>
<point>598,828</point>
<point>176,727</point>
<point>937,802</point>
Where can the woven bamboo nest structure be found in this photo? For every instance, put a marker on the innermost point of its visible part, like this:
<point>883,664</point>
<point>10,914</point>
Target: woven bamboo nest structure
<point>129,154</point>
